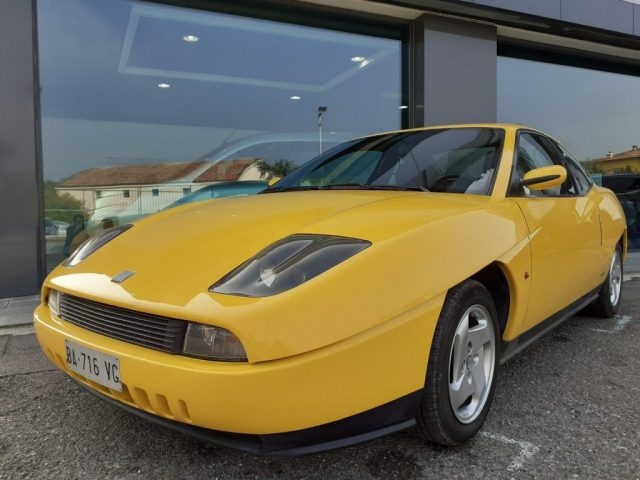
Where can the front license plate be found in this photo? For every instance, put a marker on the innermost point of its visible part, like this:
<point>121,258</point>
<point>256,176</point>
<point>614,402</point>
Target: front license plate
<point>96,366</point>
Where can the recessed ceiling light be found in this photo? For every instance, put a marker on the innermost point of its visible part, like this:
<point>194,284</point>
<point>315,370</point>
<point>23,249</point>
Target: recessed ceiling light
<point>163,85</point>
<point>403,107</point>
<point>364,63</point>
<point>190,38</point>
<point>357,59</point>
<point>295,97</point>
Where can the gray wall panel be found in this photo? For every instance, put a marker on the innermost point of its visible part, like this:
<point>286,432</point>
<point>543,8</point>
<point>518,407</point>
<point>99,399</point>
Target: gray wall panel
<point>636,19</point>
<point>542,8</point>
<point>459,71</point>
<point>19,179</point>
<point>608,14</point>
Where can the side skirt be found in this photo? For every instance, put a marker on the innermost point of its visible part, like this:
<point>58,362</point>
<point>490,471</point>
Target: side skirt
<point>513,347</point>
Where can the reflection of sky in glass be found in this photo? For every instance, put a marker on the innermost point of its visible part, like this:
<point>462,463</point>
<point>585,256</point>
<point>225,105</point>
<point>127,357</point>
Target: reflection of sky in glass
<point>591,112</point>
<point>101,62</point>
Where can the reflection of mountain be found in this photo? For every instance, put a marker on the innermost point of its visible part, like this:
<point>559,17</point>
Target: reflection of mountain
<point>137,190</point>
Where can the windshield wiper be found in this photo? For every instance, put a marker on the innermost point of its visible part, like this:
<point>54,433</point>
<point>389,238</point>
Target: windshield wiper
<point>343,186</point>
<point>366,186</point>
<point>293,188</point>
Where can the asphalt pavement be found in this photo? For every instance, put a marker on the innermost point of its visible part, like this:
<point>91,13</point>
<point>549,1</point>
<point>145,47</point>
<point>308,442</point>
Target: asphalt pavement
<point>567,407</point>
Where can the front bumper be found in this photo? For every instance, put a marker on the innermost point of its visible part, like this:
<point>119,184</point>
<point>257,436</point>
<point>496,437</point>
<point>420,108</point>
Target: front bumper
<point>392,417</point>
<point>279,405</point>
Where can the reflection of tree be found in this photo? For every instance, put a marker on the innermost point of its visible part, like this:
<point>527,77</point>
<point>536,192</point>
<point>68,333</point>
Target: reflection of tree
<point>280,168</point>
<point>591,166</point>
<point>625,169</point>
<point>60,207</point>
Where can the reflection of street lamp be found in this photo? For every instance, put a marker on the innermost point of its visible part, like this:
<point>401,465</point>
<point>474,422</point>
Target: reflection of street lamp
<point>321,111</point>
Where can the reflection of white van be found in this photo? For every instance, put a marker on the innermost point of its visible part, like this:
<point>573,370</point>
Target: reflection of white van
<point>295,147</point>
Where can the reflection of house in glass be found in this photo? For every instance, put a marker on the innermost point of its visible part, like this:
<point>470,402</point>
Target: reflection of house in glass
<point>138,190</point>
<point>624,162</point>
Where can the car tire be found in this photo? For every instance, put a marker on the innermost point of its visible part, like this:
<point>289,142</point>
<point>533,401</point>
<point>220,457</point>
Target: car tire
<point>460,380</point>
<point>608,301</point>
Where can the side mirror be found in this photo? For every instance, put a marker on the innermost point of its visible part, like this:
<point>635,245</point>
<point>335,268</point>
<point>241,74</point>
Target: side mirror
<point>544,178</point>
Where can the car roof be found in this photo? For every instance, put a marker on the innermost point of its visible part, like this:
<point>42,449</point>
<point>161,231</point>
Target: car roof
<point>504,126</point>
<point>226,151</point>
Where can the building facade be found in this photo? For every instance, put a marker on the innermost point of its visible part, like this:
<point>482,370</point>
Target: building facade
<point>620,162</point>
<point>130,85</point>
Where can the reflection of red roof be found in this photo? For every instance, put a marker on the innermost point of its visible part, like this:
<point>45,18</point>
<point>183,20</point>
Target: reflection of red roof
<point>143,174</point>
<point>225,170</point>
<point>628,155</point>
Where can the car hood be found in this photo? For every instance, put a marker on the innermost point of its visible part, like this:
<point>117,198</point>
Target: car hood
<point>178,254</point>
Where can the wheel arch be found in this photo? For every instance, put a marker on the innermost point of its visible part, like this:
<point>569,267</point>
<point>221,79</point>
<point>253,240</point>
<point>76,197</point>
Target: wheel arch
<point>623,242</point>
<point>495,281</point>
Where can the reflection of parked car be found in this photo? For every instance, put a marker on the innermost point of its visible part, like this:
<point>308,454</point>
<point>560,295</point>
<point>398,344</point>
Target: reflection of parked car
<point>627,188</point>
<point>222,189</point>
<point>376,288</point>
<point>622,183</point>
<point>61,227</point>
<point>49,227</point>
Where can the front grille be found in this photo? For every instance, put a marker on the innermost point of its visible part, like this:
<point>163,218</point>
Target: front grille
<point>145,329</point>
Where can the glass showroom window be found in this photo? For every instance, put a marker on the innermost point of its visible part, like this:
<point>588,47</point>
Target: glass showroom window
<point>162,101</point>
<point>595,114</point>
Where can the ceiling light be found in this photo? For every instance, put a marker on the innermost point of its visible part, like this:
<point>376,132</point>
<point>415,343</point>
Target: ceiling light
<point>364,63</point>
<point>163,85</point>
<point>403,107</point>
<point>295,97</point>
<point>190,38</point>
<point>357,59</point>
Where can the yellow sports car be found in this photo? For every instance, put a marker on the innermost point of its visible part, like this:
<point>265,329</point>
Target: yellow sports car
<point>376,288</point>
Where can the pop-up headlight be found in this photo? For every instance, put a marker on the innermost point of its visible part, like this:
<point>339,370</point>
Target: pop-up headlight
<point>93,244</point>
<point>287,264</point>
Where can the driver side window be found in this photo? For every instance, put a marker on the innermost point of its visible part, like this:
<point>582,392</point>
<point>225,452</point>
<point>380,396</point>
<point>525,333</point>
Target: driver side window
<point>532,152</point>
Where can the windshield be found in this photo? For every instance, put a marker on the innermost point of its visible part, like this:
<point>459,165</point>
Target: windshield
<point>452,160</point>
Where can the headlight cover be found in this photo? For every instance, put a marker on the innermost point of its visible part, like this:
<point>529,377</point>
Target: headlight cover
<point>214,343</point>
<point>91,245</point>
<point>287,264</point>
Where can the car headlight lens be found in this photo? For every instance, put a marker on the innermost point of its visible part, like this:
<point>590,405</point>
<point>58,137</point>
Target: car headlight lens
<point>93,244</point>
<point>287,264</point>
<point>53,300</point>
<point>213,343</point>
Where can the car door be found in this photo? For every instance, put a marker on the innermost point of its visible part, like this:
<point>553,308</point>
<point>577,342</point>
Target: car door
<point>564,230</point>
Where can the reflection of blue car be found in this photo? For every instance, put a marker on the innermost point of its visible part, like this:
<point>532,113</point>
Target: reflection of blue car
<point>49,227</point>
<point>222,189</point>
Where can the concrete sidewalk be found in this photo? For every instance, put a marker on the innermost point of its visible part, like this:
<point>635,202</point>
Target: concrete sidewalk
<point>18,312</point>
